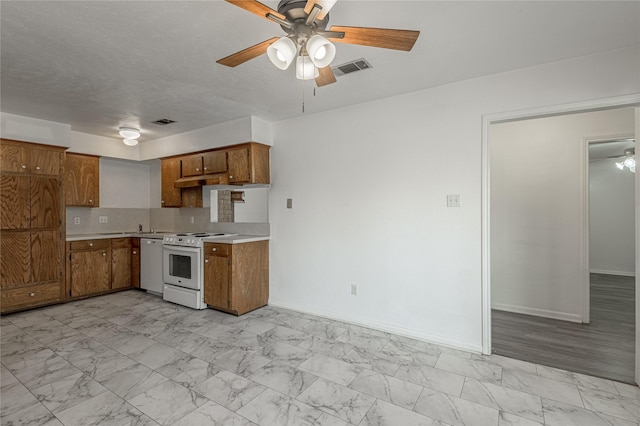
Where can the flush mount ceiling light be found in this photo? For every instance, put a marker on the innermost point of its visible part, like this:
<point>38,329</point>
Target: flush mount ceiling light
<point>130,135</point>
<point>305,22</point>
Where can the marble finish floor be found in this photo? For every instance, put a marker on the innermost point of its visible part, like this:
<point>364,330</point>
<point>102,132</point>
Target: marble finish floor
<point>131,359</point>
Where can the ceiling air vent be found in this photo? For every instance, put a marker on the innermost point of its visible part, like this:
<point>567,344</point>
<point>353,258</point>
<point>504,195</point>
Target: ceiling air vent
<point>353,66</point>
<point>163,122</point>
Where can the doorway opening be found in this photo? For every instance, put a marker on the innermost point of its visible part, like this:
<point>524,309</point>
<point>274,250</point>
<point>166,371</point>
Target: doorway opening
<point>551,302</point>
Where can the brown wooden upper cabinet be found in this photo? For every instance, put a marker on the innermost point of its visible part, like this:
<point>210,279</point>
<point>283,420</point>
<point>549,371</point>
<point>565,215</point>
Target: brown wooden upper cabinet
<point>82,180</point>
<point>27,159</point>
<point>244,163</point>
<point>192,165</point>
<point>214,162</point>
<point>171,172</point>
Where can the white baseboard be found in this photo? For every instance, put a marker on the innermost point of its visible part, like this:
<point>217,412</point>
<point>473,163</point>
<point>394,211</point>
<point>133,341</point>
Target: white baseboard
<point>382,326</point>
<point>607,272</point>
<point>537,312</point>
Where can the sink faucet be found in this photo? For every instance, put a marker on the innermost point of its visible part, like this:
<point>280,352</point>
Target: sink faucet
<point>140,228</point>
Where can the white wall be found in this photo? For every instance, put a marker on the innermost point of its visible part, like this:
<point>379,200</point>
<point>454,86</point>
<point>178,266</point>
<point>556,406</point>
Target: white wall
<point>34,130</point>
<point>233,132</point>
<point>537,188</point>
<point>124,184</point>
<point>85,143</point>
<point>611,218</point>
<point>369,187</point>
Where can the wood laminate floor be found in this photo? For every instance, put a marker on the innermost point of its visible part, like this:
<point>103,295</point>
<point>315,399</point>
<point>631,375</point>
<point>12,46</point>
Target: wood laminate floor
<point>604,348</point>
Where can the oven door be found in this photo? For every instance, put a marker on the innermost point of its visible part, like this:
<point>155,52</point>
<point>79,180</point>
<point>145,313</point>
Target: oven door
<point>182,266</point>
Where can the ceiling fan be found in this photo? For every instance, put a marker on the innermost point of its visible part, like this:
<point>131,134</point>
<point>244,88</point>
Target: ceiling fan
<point>308,40</point>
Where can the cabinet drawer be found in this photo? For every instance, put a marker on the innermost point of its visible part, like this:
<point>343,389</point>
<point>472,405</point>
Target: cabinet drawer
<point>30,296</point>
<point>217,249</point>
<point>90,244</point>
<point>120,243</point>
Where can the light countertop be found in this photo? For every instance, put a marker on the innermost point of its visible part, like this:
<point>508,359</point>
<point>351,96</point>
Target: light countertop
<point>233,239</point>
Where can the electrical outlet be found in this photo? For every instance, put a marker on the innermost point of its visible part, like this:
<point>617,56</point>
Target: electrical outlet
<point>103,219</point>
<point>453,200</point>
<point>193,219</point>
<point>354,290</point>
<point>76,220</point>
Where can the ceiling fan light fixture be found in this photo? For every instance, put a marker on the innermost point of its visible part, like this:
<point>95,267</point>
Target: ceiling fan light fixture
<point>130,142</point>
<point>282,52</point>
<point>321,51</point>
<point>305,68</point>
<point>129,133</point>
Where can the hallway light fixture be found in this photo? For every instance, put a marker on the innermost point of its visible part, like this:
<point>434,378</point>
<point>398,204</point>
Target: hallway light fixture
<point>629,161</point>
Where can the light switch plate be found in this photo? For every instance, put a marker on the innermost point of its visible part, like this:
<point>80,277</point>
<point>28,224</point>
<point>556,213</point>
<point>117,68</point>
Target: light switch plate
<point>289,203</point>
<point>453,200</point>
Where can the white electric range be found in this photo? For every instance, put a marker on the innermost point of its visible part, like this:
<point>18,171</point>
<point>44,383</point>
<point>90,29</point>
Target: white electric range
<point>183,268</point>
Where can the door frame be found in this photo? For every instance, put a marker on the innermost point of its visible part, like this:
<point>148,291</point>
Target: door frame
<point>585,237</point>
<point>487,120</point>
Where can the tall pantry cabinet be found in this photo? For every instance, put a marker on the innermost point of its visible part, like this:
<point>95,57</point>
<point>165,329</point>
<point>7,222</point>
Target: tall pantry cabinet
<point>32,220</point>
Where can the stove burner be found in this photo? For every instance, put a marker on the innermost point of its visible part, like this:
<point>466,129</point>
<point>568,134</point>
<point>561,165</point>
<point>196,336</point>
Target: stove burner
<point>181,235</point>
<point>199,235</point>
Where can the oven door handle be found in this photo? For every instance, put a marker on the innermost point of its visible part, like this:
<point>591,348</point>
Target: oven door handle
<point>180,249</point>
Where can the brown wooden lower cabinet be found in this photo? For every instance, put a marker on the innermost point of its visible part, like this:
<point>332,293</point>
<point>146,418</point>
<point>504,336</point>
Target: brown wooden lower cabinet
<point>135,262</point>
<point>102,265</point>
<point>120,263</point>
<point>236,276</point>
<point>89,272</point>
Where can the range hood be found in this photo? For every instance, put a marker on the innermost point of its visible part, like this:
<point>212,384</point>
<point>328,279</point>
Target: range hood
<point>202,180</point>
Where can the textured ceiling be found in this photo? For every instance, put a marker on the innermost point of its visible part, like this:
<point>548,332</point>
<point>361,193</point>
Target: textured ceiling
<point>98,65</point>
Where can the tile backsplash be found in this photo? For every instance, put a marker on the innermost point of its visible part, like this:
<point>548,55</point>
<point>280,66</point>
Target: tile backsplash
<point>158,219</point>
<point>118,220</point>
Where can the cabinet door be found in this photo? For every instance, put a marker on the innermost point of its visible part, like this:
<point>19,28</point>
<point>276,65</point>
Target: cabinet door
<point>15,202</point>
<point>45,162</point>
<point>14,158</point>
<point>239,165</point>
<point>170,173</point>
<point>216,281</point>
<point>81,180</point>
<point>15,261</point>
<point>192,165</point>
<point>45,202</point>
<point>120,268</point>
<point>90,272</point>
<point>214,162</point>
<point>45,256</point>
<point>135,263</point>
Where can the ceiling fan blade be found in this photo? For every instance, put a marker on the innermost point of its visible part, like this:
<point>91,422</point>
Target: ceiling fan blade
<point>256,8</point>
<point>247,54</point>
<point>377,37</point>
<point>309,6</point>
<point>325,77</point>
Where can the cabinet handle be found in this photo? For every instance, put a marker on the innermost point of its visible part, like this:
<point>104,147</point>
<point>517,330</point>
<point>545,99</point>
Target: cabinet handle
<point>197,169</point>
<point>206,168</point>
<point>162,201</point>
<point>23,166</point>
<point>37,167</point>
<point>206,261</point>
<point>104,253</point>
<point>90,244</point>
<point>90,201</point>
<point>215,249</point>
<point>135,252</point>
<point>32,294</point>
